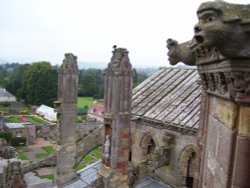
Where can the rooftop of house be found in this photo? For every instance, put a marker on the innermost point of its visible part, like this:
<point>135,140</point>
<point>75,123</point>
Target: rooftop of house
<point>14,125</point>
<point>97,109</point>
<point>170,97</point>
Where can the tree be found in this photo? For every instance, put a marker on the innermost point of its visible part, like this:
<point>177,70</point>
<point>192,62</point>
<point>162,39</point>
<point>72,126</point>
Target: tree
<point>39,85</point>
<point>3,74</point>
<point>91,83</point>
<point>15,79</point>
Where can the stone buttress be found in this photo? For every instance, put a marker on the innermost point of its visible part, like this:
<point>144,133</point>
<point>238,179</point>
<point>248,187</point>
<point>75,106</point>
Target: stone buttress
<point>66,107</point>
<point>117,100</point>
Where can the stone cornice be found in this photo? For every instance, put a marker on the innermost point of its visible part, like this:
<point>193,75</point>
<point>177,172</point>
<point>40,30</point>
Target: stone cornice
<point>229,79</point>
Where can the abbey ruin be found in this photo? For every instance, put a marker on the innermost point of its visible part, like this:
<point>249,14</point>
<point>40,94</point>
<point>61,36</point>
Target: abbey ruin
<point>182,127</point>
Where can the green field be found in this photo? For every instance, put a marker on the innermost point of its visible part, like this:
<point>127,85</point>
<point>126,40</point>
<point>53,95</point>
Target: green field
<point>92,157</point>
<point>32,119</point>
<point>35,120</point>
<point>49,149</point>
<point>11,119</point>
<point>80,166</point>
<point>22,156</point>
<point>48,176</point>
<point>83,101</point>
<point>41,155</point>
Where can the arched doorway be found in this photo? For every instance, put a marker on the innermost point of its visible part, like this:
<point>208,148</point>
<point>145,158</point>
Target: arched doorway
<point>148,144</point>
<point>188,167</point>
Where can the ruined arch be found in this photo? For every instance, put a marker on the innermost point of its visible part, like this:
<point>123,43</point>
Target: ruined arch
<point>146,139</point>
<point>148,143</point>
<point>188,166</point>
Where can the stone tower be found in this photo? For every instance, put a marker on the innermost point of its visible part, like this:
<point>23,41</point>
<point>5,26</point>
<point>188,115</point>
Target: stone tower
<point>67,113</point>
<point>117,101</point>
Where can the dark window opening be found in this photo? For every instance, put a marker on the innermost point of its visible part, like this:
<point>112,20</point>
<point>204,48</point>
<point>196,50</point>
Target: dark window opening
<point>130,156</point>
<point>190,164</point>
<point>151,146</point>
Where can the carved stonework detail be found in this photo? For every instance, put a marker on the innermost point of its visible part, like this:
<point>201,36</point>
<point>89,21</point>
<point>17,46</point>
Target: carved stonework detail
<point>223,32</point>
<point>228,79</point>
<point>120,63</point>
<point>204,55</point>
<point>117,118</point>
<point>224,26</point>
<point>221,47</point>
<point>180,52</point>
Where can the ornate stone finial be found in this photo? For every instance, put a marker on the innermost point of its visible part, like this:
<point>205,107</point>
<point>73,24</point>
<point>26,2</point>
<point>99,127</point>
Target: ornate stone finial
<point>224,26</point>
<point>120,60</point>
<point>69,63</point>
<point>180,52</point>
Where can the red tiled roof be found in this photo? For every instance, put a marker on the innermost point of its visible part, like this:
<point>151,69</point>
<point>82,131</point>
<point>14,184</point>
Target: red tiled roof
<point>97,109</point>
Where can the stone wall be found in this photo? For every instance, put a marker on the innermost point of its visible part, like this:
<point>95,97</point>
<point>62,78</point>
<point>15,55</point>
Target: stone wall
<point>227,144</point>
<point>10,174</point>
<point>178,146</point>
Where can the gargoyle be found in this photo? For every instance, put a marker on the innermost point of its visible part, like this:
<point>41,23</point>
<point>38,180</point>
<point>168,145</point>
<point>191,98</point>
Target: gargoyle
<point>224,26</point>
<point>180,52</point>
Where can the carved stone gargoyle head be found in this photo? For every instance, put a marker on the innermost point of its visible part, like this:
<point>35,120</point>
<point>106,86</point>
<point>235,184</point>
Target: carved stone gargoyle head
<point>224,26</point>
<point>180,52</point>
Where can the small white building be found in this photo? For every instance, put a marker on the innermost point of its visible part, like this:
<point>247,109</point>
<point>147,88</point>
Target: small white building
<point>47,112</point>
<point>5,96</point>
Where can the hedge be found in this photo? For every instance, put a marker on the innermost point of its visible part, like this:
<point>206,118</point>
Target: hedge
<point>5,104</point>
<point>6,135</point>
<point>18,141</point>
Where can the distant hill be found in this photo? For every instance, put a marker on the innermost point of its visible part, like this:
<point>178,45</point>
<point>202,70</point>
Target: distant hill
<point>3,61</point>
<point>103,65</point>
<point>88,65</point>
<point>93,65</point>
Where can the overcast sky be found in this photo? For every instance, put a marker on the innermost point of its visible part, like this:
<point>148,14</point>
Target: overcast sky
<point>35,30</point>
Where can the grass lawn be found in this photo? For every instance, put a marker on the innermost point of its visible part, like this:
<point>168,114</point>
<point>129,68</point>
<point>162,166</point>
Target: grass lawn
<point>92,157</point>
<point>21,155</point>
<point>80,166</point>
<point>88,159</point>
<point>41,155</point>
<point>32,119</point>
<point>97,152</point>
<point>97,155</point>
<point>11,119</point>
<point>49,149</point>
<point>98,149</point>
<point>83,101</point>
<point>35,120</point>
<point>48,176</point>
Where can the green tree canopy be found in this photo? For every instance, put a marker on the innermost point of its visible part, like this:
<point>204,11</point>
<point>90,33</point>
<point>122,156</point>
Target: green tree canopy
<point>39,84</point>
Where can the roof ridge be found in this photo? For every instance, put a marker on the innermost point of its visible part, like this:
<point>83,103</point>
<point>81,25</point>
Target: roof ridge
<point>184,67</point>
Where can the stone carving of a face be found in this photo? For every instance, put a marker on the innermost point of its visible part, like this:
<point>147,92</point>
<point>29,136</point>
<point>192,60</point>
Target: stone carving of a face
<point>225,26</point>
<point>209,28</point>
